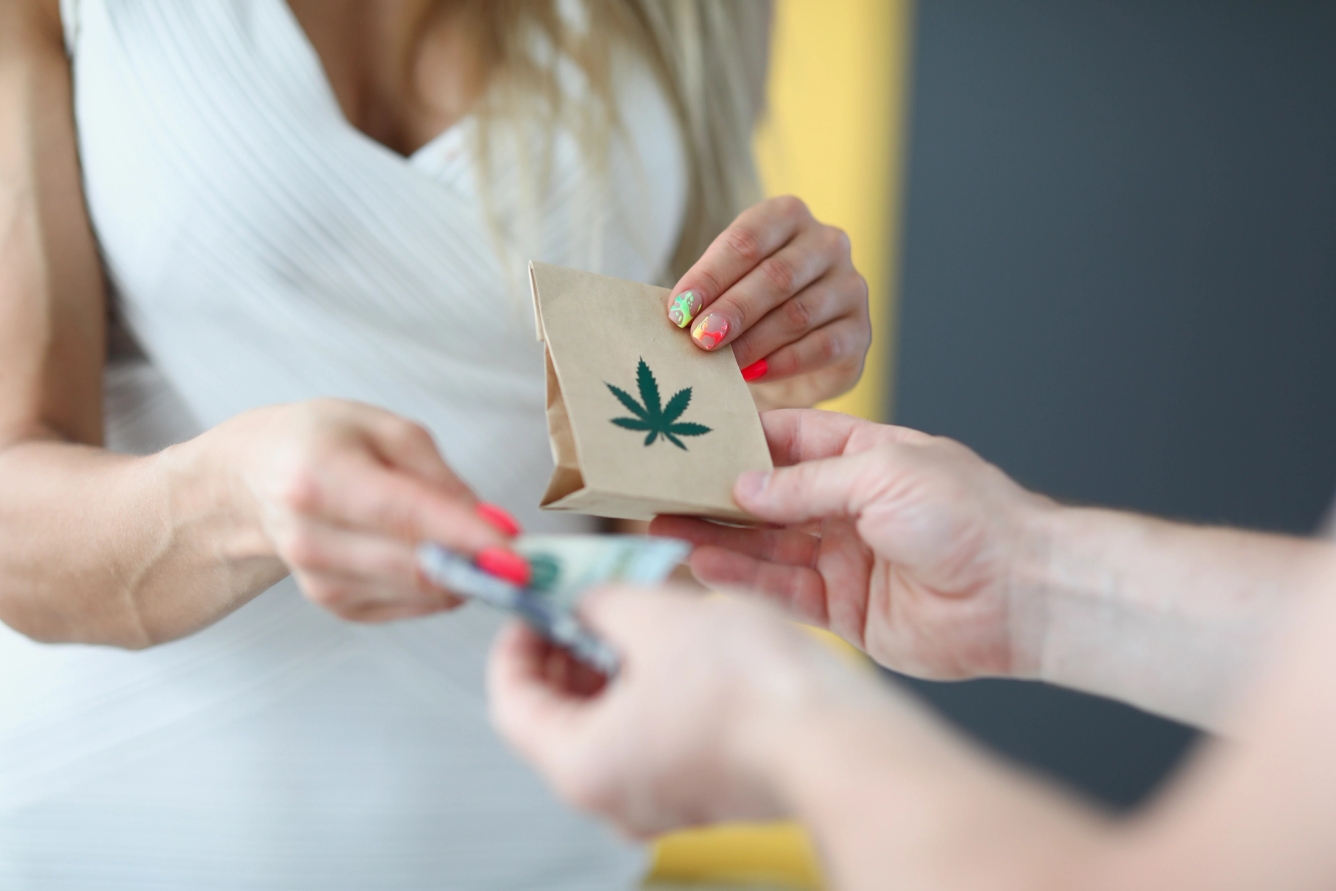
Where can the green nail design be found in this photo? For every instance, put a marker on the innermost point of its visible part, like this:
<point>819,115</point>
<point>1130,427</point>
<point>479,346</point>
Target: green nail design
<point>684,308</point>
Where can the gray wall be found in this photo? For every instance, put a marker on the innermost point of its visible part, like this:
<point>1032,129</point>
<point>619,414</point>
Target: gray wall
<point>1119,284</point>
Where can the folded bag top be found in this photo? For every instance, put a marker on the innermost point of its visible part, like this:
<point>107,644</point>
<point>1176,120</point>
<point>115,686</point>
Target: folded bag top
<point>642,422</point>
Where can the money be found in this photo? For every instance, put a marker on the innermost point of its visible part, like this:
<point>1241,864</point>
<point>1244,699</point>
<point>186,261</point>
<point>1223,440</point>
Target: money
<point>564,568</point>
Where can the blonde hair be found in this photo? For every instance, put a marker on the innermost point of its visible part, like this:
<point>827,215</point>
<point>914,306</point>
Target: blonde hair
<point>709,55</point>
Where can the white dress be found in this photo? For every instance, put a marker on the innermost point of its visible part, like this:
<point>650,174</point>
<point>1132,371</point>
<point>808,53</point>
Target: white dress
<point>262,250</point>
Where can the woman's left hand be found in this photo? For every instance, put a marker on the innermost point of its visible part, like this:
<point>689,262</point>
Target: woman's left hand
<point>781,287</point>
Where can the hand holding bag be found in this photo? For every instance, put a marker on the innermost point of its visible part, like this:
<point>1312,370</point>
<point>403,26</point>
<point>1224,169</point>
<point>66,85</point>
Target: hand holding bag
<point>642,422</point>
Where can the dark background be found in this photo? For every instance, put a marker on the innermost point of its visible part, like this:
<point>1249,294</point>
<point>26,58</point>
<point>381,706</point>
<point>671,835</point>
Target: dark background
<point>1119,284</point>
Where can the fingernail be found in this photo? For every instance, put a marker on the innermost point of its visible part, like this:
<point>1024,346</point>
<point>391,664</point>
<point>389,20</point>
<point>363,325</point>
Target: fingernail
<point>751,484</point>
<point>498,517</point>
<point>684,308</point>
<point>755,370</point>
<point>710,331</point>
<point>505,565</point>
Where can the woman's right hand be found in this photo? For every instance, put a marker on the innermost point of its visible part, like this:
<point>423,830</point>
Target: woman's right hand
<point>909,546</point>
<point>344,492</point>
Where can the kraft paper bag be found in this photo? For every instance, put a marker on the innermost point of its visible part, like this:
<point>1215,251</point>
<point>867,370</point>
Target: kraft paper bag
<point>642,421</point>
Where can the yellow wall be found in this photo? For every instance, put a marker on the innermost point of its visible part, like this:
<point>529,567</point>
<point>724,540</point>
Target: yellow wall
<point>834,138</point>
<point>837,111</point>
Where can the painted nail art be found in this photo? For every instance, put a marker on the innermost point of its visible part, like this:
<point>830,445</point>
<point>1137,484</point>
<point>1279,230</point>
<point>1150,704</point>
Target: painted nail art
<point>499,518</point>
<point>755,370</point>
<point>710,331</point>
<point>684,308</point>
<point>504,565</point>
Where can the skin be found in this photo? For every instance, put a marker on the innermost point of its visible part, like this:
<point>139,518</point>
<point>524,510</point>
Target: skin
<point>931,559</point>
<point>333,492</point>
<point>786,285</point>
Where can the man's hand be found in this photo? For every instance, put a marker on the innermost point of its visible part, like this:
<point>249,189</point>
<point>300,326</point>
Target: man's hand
<point>687,732</point>
<point>904,544</point>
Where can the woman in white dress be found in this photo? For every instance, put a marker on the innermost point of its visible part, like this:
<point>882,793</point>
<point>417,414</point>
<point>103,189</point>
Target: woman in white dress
<point>312,217</point>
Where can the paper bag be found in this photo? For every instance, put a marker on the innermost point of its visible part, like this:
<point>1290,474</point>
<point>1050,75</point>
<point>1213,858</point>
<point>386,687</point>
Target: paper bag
<point>642,421</point>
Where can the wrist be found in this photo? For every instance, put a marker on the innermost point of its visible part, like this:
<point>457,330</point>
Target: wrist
<point>806,734</point>
<point>1040,529</point>
<point>207,490</point>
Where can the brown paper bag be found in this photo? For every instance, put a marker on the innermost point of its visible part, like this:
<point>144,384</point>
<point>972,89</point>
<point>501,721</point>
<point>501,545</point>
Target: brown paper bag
<point>642,421</point>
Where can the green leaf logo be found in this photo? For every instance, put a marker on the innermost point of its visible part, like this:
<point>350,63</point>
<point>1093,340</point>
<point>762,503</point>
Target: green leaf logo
<point>650,416</point>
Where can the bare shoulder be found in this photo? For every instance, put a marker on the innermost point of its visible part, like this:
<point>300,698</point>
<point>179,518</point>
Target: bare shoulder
<point>30,25</point>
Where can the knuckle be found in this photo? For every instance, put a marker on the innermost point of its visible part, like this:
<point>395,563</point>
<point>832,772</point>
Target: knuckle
<point>791,206</point>
<point>331,596</point>
<point>412,435</point>
<point>859,286</point>
<point>797,314</point>
<point>837,240</point>
<point>781,274</point>
<point>300,547</point>
<point>399,518</point>
<point>301,492</point>
<point>744,242</point>
<point>826,347</point>
<point>851,289</point>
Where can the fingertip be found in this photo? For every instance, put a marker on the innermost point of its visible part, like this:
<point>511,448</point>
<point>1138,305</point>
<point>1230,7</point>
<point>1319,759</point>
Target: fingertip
<point>684,307</point>
<point>673,526</point>
<point>756,370</point>
<point>498,518</point>
<point>660,523</point>
<point>505,565</point>
<point>711,330</point>
<point>750,487</point>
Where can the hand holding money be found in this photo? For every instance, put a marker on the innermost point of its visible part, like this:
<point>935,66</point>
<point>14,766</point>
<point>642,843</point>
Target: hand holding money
<point>562,569</point>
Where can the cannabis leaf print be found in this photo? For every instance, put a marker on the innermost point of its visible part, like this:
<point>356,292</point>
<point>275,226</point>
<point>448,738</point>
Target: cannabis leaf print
<point>656,420</point>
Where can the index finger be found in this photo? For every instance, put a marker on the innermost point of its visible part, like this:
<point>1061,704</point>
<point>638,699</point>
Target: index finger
<point>757,233</point>
<point>363,494</point>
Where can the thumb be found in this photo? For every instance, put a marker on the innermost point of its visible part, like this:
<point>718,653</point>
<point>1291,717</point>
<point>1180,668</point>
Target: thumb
<point>813,490</point>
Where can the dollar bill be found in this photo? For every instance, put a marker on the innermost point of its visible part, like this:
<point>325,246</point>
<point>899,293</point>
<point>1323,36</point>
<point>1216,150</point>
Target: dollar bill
<point>564,568</point>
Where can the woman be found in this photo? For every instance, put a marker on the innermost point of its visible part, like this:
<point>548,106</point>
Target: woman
<point>313,217</point>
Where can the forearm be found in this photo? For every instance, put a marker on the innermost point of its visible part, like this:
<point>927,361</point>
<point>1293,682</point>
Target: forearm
<point>1165,616</point>
<point>103,548</point>
<point>894,800</point>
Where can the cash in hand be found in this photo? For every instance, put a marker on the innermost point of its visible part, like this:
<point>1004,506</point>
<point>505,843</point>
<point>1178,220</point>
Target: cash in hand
<point>564,568</point>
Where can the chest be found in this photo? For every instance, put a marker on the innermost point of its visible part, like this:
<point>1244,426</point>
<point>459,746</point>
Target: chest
<point>402,72</point>
<point>223,177</point>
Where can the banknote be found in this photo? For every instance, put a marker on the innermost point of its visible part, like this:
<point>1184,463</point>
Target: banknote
<point>564,568</point>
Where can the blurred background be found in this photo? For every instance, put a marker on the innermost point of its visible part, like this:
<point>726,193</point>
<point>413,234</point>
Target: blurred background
<point>1119,284</point>
<point>1100,237</point>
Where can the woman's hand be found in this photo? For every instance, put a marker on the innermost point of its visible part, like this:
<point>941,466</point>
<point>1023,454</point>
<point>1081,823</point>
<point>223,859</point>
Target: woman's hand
<point>343,492</point>
<point>686,733</point>
<point>782,289</point>
<point>906,545</point>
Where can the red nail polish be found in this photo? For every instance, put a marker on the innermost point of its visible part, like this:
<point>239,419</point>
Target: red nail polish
<point>755,370</point>
<point>498,517</point>
<point>504,565</point>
